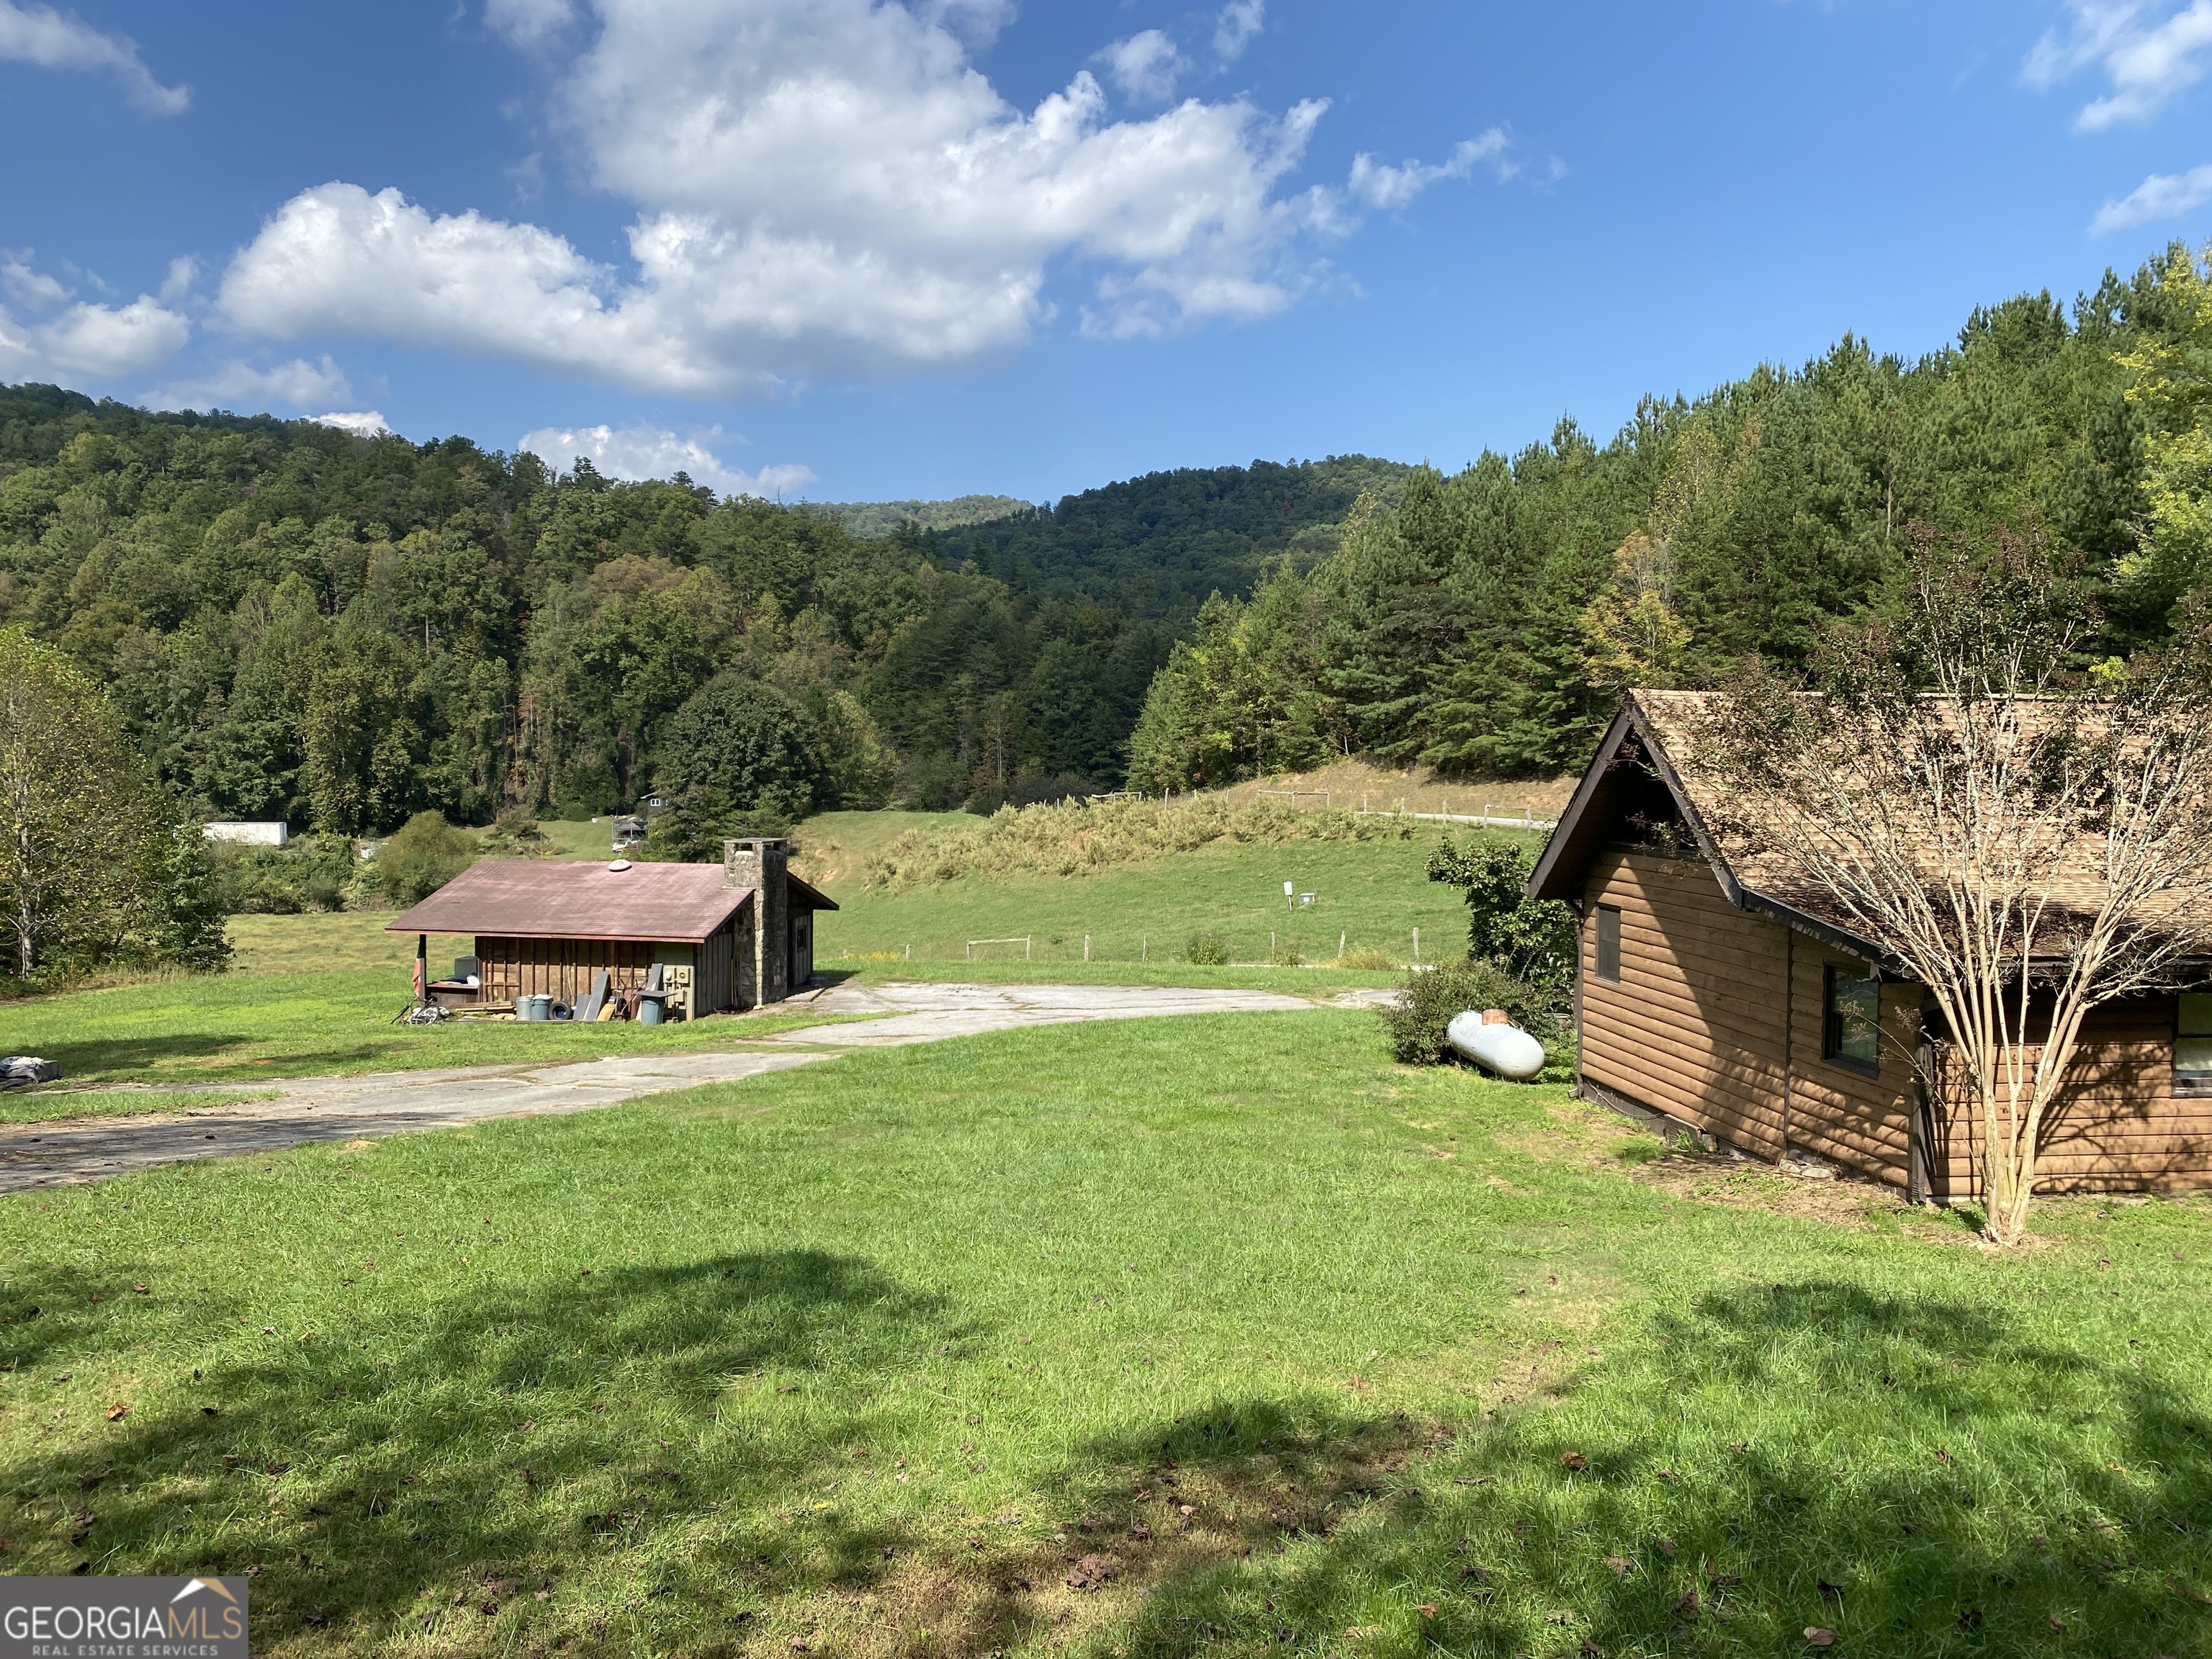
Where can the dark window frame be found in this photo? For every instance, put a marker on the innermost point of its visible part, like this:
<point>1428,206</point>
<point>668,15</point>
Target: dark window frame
<point>2196,1085</point>
<point>1607,946</point>
<point>1831,1020</point>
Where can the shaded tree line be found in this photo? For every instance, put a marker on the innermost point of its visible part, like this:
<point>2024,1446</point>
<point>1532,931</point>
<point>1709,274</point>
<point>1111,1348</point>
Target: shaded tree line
<point>1487,624</point>
<point>296,622</point>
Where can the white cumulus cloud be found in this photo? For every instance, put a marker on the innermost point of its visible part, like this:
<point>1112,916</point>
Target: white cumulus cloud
<point>2149,54</point>
<point>1145,66</point>
<point>298,384</point>
<point>528,22</point>
<point>2161,196</point>
<point>48,331</point>
<point>43,36</point>
<point>652,452</point>
<point>1388,188</point>
<point>1240,20</point>
<point>364,423</point>
<point>821,187</point>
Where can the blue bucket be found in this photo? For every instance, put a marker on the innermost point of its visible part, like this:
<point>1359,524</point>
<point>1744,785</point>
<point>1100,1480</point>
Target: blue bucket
<point>533,1008</point>
<point>650,1010</point>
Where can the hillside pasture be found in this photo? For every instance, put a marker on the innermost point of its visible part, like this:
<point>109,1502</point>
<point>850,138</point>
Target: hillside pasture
<point>1368,895</point>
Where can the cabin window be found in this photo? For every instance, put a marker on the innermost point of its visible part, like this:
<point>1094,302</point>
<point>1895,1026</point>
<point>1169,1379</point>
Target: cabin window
<point>2192,1044</point>
<point>1608,944</point>
<point>1850,1033</point>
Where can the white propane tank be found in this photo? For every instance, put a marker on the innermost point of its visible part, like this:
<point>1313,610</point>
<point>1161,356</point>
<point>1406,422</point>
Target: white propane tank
<point>1490,1040</point>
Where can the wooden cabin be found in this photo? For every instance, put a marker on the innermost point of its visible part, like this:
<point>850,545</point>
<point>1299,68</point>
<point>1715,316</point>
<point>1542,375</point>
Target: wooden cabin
<point>726,936</point>
<point>1703,997</point>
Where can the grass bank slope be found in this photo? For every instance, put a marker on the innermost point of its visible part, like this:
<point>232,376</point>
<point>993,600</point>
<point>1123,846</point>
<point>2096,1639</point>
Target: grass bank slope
<point>1350,785</point>
<point>1370,894</point>
<point>1181,1336</point>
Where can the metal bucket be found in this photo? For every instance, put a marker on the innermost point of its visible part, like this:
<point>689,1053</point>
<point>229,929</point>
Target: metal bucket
<point>650,1010</point>
<point>533,1008</point>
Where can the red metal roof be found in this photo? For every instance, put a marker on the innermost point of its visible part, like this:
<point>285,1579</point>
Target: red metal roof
<point>562,899</point>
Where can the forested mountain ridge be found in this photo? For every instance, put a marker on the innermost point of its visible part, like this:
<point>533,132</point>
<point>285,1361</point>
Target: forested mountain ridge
<point>874,518</point>
<point>300,623</point>
<point>1160,544</point>
<point>1488,625</point>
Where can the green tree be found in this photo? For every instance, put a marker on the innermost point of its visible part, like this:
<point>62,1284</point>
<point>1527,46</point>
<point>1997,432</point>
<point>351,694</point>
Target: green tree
<point>96,864</point>
<point>420,857</point>
<point>737,753</point>
<point>2171,384</point>
<point>360,738</point>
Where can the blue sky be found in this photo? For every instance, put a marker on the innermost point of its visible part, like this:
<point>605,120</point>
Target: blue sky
<point>828,249</point>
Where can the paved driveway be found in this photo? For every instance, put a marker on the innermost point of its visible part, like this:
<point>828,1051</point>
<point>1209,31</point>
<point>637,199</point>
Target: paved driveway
<point>67,1152</point>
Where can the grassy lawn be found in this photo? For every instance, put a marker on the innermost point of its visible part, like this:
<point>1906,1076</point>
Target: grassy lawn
<point>1268,1346</point>
<point>309,995</point>
<point>1370,894</point>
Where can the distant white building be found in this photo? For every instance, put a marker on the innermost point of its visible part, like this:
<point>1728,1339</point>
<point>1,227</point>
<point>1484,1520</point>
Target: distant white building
<point>251,834</point>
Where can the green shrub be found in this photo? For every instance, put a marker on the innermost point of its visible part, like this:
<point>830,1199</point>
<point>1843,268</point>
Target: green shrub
<point>1286,955</point>
<point>419,858</point>
<point>1369,958</point>
<point>1206,950</point>
<point>309,875</point>
<point>1430,999</point>
<point>1532,939</point>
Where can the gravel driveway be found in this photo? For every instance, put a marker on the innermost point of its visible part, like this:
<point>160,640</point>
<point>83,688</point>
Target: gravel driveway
<point>66,1152</point>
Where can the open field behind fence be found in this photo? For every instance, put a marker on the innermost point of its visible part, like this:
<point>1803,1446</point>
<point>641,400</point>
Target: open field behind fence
<point>1369,897</point>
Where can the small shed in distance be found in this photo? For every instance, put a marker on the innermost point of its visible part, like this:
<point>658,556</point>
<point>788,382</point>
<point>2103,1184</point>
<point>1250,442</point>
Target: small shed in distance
<point>727,936</point>
<point>266,833</point>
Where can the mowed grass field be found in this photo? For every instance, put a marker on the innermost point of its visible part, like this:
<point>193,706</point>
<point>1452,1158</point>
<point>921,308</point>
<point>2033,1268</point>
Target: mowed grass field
<point>1167,1337</point>
<point>313,994</point>
<point>309,995</point>
<point>1370,895</point>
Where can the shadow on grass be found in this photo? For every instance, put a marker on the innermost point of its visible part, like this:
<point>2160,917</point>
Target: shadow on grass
<point>379,1480</point>
<point>1906,1472</point>
<point>653,1461</point>
<point>105,1055</point>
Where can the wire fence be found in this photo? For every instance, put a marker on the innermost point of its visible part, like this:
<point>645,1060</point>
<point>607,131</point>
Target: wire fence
<point>1290,947</point>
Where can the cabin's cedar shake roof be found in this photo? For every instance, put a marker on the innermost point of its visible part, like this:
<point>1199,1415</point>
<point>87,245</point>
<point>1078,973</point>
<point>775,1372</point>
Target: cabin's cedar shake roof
<point>1640,772</point>
<point>562,899</point>
<point>1648,766</point>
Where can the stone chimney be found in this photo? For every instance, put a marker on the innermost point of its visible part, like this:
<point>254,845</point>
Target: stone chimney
<point>760,863</point>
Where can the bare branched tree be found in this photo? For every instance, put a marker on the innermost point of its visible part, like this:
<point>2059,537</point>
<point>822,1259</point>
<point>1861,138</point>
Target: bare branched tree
<point>2026,836</point>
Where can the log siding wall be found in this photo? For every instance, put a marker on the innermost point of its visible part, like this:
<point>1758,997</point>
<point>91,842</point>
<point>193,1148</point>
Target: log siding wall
<point>1862,1122</point>
<point>1694,1027</point>
<point>2120,1127</point>
<point>561,967</point>
<point>566,968</point>
<point>1717,1020</point>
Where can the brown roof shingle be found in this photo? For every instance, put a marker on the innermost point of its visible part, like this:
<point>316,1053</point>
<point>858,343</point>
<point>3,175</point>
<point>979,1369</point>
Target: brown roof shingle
<point>558,898</point>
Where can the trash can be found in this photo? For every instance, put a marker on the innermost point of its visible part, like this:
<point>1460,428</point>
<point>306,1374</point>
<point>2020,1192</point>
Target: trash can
<point>534,1008</point>
<point>650,1010</point>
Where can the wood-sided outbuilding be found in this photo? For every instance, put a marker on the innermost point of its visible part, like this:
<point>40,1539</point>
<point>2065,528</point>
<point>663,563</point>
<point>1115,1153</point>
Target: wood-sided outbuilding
<point>726,936</point>
<point>1703,995</point>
